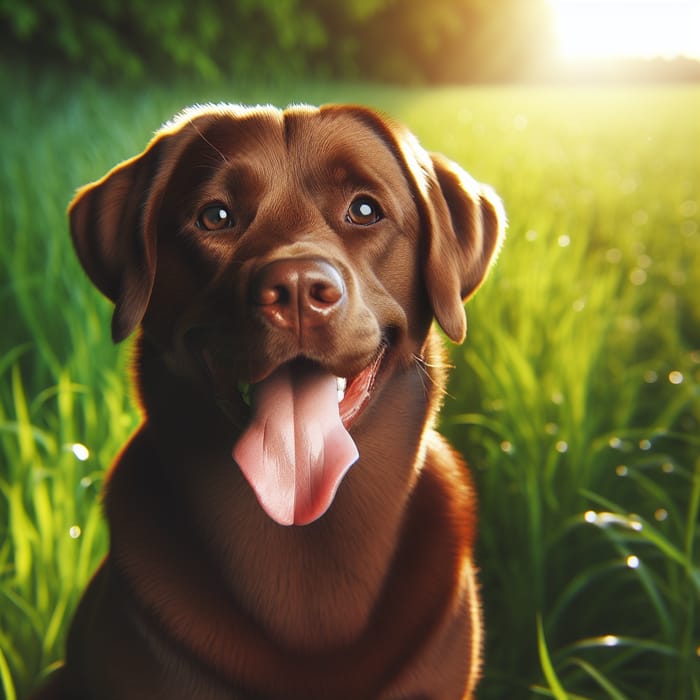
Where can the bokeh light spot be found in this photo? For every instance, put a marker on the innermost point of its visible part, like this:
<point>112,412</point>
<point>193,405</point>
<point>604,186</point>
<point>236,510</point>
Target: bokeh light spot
<point>675,377</point>
<point>638,277</point>
<point>613,256</point>
<point>507,447</point>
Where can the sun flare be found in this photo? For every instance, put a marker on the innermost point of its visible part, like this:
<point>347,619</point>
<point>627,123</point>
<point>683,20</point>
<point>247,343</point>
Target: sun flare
<point>627,28</point>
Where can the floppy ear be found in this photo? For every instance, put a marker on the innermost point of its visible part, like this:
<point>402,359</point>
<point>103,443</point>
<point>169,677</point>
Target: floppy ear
<point>113,226</point>
<point>466,224</point>
<point>464,221</point>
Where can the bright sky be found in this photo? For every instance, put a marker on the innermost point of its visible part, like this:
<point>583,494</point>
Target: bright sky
<point>627,28</point>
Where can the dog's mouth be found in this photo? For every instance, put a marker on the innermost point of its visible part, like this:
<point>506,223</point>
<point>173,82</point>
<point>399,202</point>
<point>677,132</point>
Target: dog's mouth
<point>296,448</point>
<point>353,393</point>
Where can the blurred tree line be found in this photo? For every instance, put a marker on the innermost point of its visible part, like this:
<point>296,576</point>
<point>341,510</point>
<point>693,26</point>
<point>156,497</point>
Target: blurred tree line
<point>404,41</point>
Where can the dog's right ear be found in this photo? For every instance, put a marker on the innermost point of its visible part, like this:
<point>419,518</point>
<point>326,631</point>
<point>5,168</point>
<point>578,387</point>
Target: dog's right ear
<point>113,228</point>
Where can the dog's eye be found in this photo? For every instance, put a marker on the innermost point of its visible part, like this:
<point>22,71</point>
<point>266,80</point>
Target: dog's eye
<point>364,212</point>
<point>215,218</point>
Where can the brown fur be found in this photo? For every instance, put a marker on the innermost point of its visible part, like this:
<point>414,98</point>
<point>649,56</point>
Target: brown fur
<point>202,595</point>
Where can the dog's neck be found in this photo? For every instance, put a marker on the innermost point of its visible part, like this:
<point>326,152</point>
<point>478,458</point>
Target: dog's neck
<point>310,586</point>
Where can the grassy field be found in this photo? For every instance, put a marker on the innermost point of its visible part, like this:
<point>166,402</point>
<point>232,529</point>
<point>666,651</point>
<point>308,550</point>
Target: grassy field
<point>576,397</point>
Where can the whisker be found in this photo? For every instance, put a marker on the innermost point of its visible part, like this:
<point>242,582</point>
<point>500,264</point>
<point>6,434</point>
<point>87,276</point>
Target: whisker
<point>423,373</point>
<point>207,141</point>
<point>428,378</point>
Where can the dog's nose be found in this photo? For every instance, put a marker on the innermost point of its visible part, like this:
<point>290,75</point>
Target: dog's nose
<point>298,294</point>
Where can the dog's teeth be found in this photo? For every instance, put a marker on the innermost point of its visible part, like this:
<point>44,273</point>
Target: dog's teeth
<point>342,384</point>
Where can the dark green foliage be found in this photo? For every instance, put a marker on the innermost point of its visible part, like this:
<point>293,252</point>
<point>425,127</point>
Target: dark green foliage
<point>397,40</point>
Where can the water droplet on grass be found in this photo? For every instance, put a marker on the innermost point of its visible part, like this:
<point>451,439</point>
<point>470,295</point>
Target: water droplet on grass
<point>606,519</point>
<point>632,562</point>
<point>80,451</point>
<point>75,532</point>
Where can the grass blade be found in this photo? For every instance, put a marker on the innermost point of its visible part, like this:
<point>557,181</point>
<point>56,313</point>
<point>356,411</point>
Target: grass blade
<point>600,679</point>
<point>546,664</point>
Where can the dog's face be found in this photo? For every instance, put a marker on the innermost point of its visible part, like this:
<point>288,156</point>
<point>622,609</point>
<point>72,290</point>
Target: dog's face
<point>302,254</point>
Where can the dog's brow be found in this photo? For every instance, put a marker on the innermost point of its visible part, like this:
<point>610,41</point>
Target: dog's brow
<point>207,141</point>
<point>344,170</point>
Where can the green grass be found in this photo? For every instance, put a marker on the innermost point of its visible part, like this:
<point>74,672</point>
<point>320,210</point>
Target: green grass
<point>567,396</point>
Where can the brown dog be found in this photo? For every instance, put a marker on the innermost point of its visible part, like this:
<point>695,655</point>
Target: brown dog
<point>285,523</point>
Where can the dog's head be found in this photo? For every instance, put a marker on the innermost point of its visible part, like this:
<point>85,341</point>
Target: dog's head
<point>302,253</point>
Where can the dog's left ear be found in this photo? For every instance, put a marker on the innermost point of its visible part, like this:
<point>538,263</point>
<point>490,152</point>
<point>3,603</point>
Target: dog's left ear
<point>466,224</point>
<point>113,230</point>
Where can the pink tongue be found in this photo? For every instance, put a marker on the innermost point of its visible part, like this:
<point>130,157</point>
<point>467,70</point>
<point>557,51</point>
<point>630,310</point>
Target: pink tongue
<point>296,451</point>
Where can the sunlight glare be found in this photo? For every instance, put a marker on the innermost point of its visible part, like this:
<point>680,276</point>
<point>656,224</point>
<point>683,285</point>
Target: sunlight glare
<point>627,28</point>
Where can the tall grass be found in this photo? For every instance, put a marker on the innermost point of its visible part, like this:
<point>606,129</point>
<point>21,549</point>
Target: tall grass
<point>575,398</point>
<point>577,395</point>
